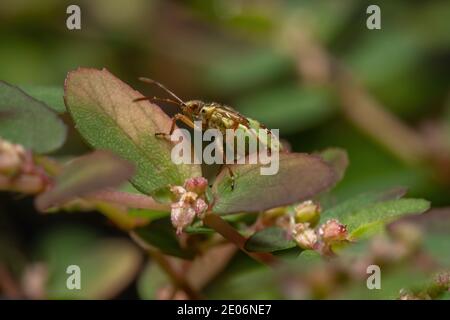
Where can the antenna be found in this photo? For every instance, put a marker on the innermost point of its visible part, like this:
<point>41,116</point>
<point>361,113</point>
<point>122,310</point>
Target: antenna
<point>150,81</point>
<point>157,99</point>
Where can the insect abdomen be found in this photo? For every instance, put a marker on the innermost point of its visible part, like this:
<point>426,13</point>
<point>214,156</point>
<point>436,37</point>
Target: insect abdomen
<point>222,123</point>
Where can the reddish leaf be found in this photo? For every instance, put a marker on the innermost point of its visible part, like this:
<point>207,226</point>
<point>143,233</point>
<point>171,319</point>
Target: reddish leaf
<point>300,177</point>
<point>85,175</point>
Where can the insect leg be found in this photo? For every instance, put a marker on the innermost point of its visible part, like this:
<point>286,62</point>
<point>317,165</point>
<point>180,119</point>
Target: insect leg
<point>256,135</point>
<point>176,117</point>
<point>233,180</point>
<point>268,143</point>
<point>230,172</point>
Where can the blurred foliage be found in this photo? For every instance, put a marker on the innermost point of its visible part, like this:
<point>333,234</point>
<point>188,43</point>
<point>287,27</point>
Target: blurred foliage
<point>46,132</point>
<point>64,247</point>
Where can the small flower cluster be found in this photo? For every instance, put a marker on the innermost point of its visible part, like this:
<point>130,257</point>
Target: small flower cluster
<point>322,239</point>
<point>189,202</point>
<point>403,243</point>
<point>18,171</point>
<point>302,225</point>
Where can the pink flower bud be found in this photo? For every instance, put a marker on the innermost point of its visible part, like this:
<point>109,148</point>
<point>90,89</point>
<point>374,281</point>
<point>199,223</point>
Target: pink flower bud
<point>332,231</point>
<point>189,202</point>
<point>12,157</point>
<point>200,207</point>
<point>181,215</point>
<point>177,191</point>
<point>197,185</point>
<point>307,211</point>
<point>305,237</point>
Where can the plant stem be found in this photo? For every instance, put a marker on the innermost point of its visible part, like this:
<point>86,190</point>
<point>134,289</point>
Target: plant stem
<point>50,166</point>
<point>215,222</point>
<point>177,279</point>
<point>8,285</point>
<point>117,215</point>
<point>370,116</point>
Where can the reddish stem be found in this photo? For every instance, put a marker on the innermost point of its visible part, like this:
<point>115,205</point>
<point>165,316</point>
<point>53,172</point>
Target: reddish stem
<point>228,232</point>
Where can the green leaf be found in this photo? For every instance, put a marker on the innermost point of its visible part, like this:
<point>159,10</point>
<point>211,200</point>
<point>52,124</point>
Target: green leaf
<point>107,265</point>
<point>234,220</point>
<point>365,220</point>
<point>52,96</point>
<point>289,254</point>
<point>105,114</point>
<point>366,212</point>
<point>84,175</point>
<point>338,159</point>
<point>26,121</point>
<point>198,230</point>
<point>269,240</point>
<point>300,176</point>
<point>359,202</point>
<point>160,234</point>
<point>148,214</point>
<point>290,108</point>
<point>309,257</point>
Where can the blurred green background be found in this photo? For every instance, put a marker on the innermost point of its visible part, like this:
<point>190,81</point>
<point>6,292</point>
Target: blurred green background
<point>240,53</point>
